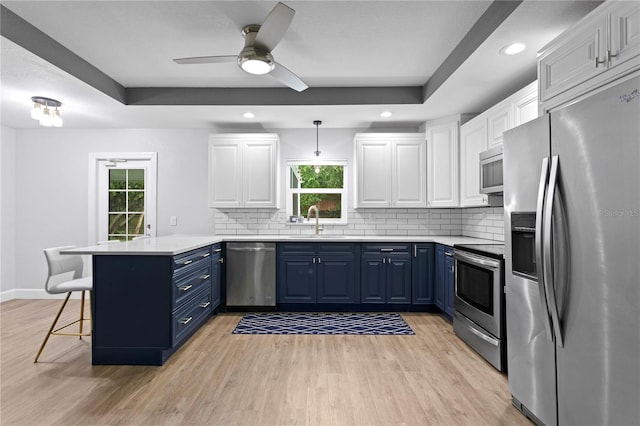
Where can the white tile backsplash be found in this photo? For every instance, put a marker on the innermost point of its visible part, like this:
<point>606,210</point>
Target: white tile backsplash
<point>474,222</point>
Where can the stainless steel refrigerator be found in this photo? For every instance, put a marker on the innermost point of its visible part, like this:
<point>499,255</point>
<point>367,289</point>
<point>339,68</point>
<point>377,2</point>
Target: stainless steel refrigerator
<point>572,259</point>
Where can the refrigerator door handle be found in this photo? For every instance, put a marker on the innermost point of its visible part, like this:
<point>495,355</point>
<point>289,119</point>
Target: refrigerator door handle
<point>544,175</point>
<point>548,253</point>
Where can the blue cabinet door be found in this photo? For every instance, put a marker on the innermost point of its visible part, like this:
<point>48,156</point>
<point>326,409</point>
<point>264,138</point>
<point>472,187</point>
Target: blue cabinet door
<point>297,279</point>
<point>215,280</point>
<point>336,279</point>
<point>423,274</point>
<point>449,282</point>
<point>398,274</point>
<point>373,279</point>
<point>439,284</point>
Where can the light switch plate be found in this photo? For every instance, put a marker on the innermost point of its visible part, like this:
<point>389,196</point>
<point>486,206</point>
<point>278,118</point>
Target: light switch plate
<point>173,220</point>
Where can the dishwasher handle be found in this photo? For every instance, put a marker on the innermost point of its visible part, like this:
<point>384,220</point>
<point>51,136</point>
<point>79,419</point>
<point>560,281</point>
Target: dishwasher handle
<point>250,249</point>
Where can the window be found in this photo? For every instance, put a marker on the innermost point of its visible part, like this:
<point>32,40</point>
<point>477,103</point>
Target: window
<point>122,194</point>
<point>126,204</point>
<point>321,185</point>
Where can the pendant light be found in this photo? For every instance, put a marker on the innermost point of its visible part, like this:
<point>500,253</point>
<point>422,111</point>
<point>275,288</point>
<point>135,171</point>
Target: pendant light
<point>317,151</point>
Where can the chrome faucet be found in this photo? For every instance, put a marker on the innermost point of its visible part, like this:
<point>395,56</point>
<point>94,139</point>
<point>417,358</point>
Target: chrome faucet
<point>315,209</point>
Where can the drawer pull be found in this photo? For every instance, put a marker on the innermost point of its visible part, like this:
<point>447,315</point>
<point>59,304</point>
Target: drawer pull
<point>186,287</point>
<point>386,249</point>
<point>205,304</point>
<point>221,260</point>
<point>205,277</point>
<point>206,255</point>
<point>447,253</point>
<point>186,262</point>
<point>185,321</point>
<point>217,250</point>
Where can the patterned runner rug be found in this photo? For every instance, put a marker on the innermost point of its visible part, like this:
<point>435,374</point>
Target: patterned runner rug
<point>322,323</point>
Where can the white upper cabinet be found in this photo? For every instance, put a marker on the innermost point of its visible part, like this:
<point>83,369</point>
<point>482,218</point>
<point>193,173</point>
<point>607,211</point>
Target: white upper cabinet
<point>473,140</point>
<point>601,47</point>
<point>484,132</point>
<point>390,170</point>
<point>442,163</point>
<point>243,170</point>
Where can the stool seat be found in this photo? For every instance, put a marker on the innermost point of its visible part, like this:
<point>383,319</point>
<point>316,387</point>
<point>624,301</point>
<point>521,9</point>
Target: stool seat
<point>79,284</point>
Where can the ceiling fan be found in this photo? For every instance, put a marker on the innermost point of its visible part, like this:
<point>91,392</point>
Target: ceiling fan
<point>259,41</point>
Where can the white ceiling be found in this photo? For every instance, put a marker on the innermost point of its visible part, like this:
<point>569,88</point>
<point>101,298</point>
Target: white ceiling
<point>329,44</point>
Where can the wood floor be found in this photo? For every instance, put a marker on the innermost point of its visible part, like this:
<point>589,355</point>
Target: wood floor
<point>219,378</point>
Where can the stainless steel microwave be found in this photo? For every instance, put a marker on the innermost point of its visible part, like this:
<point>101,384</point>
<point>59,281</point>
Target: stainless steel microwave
<point>491,177</point>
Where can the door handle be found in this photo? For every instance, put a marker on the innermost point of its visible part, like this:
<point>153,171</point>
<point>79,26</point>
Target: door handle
<point>548,253</point>
<point>544,176</point>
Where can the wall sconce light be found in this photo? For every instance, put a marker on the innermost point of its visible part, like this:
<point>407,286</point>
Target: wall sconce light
<point>41,111</point>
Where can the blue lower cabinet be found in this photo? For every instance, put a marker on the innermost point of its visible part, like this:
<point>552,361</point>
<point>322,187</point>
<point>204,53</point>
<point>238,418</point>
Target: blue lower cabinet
<point>145,307</point>
<point>216,276</point>
<point>423,274</point>
<point>373,279</point>
<point>296,279</point>
<point>444,284</point>
<point>449,282</point>
<point>385,273</point>
<point>326,273</point>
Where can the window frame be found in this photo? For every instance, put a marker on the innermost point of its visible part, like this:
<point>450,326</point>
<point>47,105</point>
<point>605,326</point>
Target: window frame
<point>343,192</point>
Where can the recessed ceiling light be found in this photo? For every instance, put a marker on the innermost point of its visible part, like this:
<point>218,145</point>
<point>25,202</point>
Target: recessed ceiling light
<point>386,114</point>
<point>513,49</point>
<point>248,115</point>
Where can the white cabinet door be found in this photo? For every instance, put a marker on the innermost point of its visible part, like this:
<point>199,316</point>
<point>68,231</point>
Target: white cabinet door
<point>525,105</point>
<point>473,140</point>
<point>442,165</point>
<point>259,168</point>
<point>498,121</point>
<point>408,172</point>
<point>625,32</point>
<point>243,170</point>
<point>225,174</point>
<point>373,176</point>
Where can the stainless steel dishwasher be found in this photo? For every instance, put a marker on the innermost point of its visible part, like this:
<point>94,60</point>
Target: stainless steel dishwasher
<point>251,274</point>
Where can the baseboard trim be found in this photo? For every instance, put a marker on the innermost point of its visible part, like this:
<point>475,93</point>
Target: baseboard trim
<point>25,293</point>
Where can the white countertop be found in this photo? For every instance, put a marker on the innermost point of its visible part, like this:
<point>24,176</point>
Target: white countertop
<point>175,244</point>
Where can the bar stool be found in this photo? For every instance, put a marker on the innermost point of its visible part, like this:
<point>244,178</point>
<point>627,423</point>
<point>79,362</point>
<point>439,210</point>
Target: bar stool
<point>60,264</point>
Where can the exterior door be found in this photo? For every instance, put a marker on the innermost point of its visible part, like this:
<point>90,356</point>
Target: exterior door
<point>123,194</point>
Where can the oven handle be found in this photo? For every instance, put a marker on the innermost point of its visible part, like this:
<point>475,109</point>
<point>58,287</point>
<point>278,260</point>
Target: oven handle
<point>476,260</point>
<point>483,336</point>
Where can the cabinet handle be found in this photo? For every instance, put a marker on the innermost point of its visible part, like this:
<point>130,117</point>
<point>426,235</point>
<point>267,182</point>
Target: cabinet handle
<point>205,277</point>
<point>611,55</point>
<point>186,262</point>
<point>186,287</point>
<point>319,260</point>
<point>386,249</point>
<point>384,260</point>
<point>217,250</point>
<point>452,269</point>
<point>446,253</point>
<point>206,255</point>
<point>599,62</point>
<point>389,261</point>
<point>415,250</point>
<point>185,321</point>
<point>205,304</point>
<point>314,260</point>
<point>221,260</point>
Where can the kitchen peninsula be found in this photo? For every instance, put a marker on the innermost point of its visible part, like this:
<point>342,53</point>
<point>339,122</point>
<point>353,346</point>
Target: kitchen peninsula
<point>151,294</point>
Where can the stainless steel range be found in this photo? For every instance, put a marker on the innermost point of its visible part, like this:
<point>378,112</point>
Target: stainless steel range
<point>479,317</point>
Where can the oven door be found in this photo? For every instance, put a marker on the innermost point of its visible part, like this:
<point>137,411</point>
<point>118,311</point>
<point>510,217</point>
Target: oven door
<point>478,290</point>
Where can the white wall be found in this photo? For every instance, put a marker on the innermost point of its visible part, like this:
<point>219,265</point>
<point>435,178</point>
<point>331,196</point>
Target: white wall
<point>51,201</point>
<point>7,212</point>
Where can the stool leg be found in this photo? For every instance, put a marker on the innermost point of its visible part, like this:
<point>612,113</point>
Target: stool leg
<point>81,313</point>
<point>52,326</point>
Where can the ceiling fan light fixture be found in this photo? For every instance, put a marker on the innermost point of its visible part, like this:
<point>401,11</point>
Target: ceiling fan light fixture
<point>255,61</point>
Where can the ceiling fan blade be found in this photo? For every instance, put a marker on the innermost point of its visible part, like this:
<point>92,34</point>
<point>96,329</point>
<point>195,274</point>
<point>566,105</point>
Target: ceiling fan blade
<point>274,27</point>
<point>206,59</point>
<point>286,77</point>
